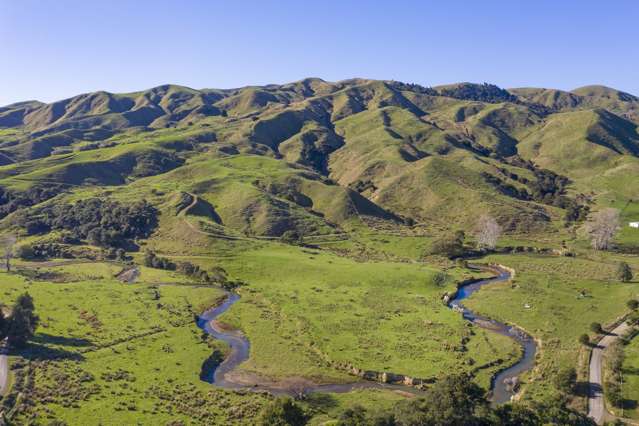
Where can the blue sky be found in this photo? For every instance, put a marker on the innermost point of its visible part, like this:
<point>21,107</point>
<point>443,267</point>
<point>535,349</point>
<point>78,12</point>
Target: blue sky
<point>50,50</point>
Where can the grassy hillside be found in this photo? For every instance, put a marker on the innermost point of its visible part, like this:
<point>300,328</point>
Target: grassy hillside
<point>323,204</point>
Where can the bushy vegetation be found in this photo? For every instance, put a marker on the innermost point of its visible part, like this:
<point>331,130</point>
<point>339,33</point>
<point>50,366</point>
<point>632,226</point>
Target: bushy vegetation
<point>614,357</point>
<point>21,324</point>
<point>11,200</point>
<point>455,401</point>
<point>624,272</point>
<point>105,223</point>
<point>451,244</point>
<point>217,274</point>
<point>478,92</point>
<point>282,412</point>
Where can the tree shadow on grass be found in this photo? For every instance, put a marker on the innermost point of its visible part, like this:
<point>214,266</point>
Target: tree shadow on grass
<point>322,400</point>
<point>634,371</point>
<point>583,389</point>
<point>38,352</point>
<point>629,404</point>
<point>48,339</point>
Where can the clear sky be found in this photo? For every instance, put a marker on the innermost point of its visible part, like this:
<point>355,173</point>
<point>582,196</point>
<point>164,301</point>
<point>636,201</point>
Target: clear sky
<point>54,49</point>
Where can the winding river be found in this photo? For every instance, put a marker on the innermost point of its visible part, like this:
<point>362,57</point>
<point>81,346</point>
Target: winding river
<point>500,391</point>
<point>240,348</point>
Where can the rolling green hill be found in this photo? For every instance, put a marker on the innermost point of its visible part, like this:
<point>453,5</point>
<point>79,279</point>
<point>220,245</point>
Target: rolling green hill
<point>322,203</point>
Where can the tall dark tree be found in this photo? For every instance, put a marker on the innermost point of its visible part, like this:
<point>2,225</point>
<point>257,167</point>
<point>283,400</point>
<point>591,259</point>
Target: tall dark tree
<point>23,321</point>
<point>624,272</point>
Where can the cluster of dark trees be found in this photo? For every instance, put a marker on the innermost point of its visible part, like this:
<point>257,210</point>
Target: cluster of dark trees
<point>453,401</point>
<point>44,251</point>
<point>217,274</point>
<point>104,223</point>
<point>154,163</point>
<point>20,326</point>
<point>451,245</point>
<point>547,188</point>
<point>478,92</point>
<point>11,201</point>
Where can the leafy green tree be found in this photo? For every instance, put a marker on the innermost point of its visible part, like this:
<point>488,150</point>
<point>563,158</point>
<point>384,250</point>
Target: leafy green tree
<point>624,272</point>
<point>632,304</point>
<point>516,415</point>
<point>566,379</point>
<point>553,411</point>
<point>25,301</point>
<point>23,321</point>
<point>355,416</point>
<point>440,279</point>
<point>292,237</point>
<point>282,412</point>
<point>595,327</point>
<point>584,339</point>
<point>453,400</point>
<point>614,393</point>
<point>21,327</point>
<point>451,245</point>
<point>26,252</point>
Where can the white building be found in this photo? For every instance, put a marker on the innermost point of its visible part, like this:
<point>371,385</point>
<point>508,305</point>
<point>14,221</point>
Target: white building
<point>634,224</point>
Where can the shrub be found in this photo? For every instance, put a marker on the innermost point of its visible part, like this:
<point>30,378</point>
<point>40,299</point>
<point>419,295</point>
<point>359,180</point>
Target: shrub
<point>566,379</point>
<point>23,321</point>
<point>632,304</point>
<point>26,252</point>
<point>451,245</point>
<point>440,279</point>
<point>291,237</point>
<point>282,412</point>
<point>584,339</point>
<point>595,327</point>
<point>624,272</point>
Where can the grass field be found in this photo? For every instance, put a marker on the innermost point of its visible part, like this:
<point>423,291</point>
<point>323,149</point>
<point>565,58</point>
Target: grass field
<point>115,353</point>
<point>131,352</point>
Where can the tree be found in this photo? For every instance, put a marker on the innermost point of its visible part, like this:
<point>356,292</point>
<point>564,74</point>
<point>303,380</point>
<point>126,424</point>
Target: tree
<point>23,321</point>
<point>487,232</point>
<point>516,415</point>
<point>632,304</point>
<point>453,400</point>
<point>355,416</point>
<point>595,327</point>
<point>602,228</point>
<point>7,241</point>
<point>451,245</point>
<point>440,279</point>
<point>566,379</point>
<point>624,272</point>
<point>282,412</point>
<point>26,252</point>
<point>584,339</point>
<point>292,237</point>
